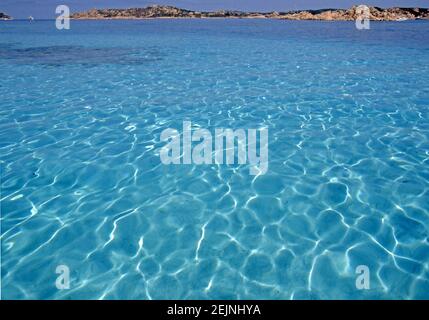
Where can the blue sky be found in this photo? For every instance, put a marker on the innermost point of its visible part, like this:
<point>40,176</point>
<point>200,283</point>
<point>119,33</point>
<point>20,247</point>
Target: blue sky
<point>46,8</point>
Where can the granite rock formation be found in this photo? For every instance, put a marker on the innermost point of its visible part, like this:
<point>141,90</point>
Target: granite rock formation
<point>156,11</point>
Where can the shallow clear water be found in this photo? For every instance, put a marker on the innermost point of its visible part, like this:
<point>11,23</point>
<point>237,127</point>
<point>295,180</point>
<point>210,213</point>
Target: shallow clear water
<point>82,185</point>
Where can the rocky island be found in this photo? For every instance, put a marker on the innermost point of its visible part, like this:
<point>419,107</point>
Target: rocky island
<point>4,16</point>
<point>157,11</point>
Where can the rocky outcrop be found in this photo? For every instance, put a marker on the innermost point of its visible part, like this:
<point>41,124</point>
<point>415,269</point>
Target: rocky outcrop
<point>156,12</point>
<point>148,12</point>
<point>4,16</point>
<point>390,14</point>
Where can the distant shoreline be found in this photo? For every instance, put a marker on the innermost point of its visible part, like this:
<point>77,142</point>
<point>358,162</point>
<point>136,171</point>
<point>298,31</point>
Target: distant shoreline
<point>215,18</point>
<point>169,12</point>
<point>179,18</point>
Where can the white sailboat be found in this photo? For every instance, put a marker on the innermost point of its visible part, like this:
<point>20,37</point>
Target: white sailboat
<point>30,18</point>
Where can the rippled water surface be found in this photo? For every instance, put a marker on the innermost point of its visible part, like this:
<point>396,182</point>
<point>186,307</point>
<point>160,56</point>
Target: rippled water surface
<point>82,185</point>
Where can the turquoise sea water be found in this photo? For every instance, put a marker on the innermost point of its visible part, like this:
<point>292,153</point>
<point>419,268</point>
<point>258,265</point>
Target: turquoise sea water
<point>82,185</point>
